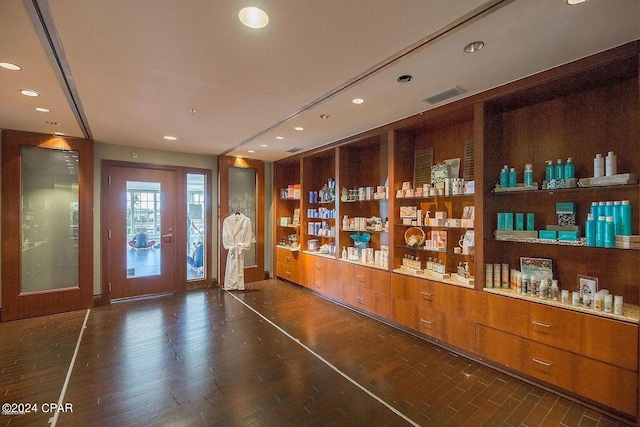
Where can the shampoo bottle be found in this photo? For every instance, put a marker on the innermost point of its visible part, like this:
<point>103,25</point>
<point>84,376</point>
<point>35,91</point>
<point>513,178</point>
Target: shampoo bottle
<point>504,177</point>
<point>600,225</point>
<point>617,217</point>
<point>625,215</point>
<point>598,166</point>
<point>609,234</point>
<point>559,171</point>
<point>569,169</point>
<point>611,164</point>
<point>512,177</point>
<point>528,175</point>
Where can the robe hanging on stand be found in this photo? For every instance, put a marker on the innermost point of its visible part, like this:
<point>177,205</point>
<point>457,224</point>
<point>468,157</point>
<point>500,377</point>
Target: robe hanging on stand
<point>236,238</point>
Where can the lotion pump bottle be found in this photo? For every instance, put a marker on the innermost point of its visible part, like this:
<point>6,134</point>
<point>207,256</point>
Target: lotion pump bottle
<point>528,175</point>
<point>598,166</point>
<point>344,252</point>
<point>611,164</point>
<point>549,171</point>
<point>569,169</point>
<point>504,177</point>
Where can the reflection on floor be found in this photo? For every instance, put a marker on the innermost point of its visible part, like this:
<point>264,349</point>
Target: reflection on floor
<point>204,358</point>
<point>143,262</point>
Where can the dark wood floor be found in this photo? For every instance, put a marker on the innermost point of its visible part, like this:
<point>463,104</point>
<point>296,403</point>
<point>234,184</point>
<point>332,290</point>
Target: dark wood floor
<point>203,358</point>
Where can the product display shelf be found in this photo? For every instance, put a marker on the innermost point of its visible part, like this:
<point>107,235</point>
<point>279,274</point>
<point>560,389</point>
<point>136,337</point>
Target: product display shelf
<point>364,201</point>
<point>437,227</point>
<point>319,254</point>
<point>439,196</point>
<point>434,277</point>
<point>289,248</point>
<point>630,312</point>
<point>568,191</point>
<point>351,230</point>
<point>578,243</point>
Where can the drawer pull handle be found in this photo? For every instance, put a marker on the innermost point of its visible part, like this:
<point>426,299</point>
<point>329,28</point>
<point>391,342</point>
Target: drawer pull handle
<point>544,325</point>
<point>361,278</point>
<point>426,294</point>
<point>288,273</point>
<point>360,300</point>
<point>547,364</point>
<point>426,321</point>
<point>288,258</point>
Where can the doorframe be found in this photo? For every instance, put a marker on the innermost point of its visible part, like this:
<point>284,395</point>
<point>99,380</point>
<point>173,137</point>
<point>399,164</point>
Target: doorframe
<point>181,218</point>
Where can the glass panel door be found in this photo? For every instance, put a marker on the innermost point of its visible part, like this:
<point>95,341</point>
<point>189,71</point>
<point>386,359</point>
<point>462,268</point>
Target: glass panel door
<point>49,184</point>
<point>196,227</point>
<point>143,229</point>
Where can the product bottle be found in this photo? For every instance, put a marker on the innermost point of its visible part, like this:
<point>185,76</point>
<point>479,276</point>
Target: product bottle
<point>611,164</point>
<point>544,289</point>
<point>528,175</point>
<point>609,233</point>
<point>600,225</point>
<point>601,210</point>
<point>504,177</point>
<point>344,252</point>
<point>559,171</point>
<point>512,177</point>
<point>625,215</point>
<point>569,169</point>
<point>594,209</point>
<point>525,283</point>
<point>590,230</point>
<point>549,171</point>
<point>598,166</point>
<point>608,210</point>
<point>617,217</point>
<point>345,222</point>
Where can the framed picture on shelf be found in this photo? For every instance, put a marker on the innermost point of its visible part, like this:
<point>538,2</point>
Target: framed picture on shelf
<point>541,268</point>
<point>587,285</point>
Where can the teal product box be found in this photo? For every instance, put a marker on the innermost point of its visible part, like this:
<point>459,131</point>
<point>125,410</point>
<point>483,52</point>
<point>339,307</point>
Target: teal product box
<point>565,208</point>
<point>531,224</point>
<point>508,221</point>
<point>519,221</point>
<point>548,234</point>
<point>501,221</point>
<point>568,236</point>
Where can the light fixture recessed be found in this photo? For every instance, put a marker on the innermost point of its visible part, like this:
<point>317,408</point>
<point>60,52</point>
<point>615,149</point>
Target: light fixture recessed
<point>298,128</point>
<point>325,116</point>
<point>29,92</point>
<point>42,110</point>
<point>405,78</point>
<point>250,151</point>
<point>574,2</point>
<point>474,46</point>
<point>263,145</point>
<point>170,138</point>
<point>279,137</point>
<point>59,133</point>
<point>253,17</point>
<point>10,66</point>
<point>357,101</point>
<point>53,123</point>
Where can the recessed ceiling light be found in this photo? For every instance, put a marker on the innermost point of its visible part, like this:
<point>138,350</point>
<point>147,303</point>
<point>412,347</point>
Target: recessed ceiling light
<point>325,116</point>
<point>405,78</point>
<point>358,101</point>
<point>253,17</point>
<point>573,2</point>
<point>53,123</point>
<point>279,137</point>
<point>10,66</point>
<point>251,151</point>
<point>263,145</point>
<point>474,47</point>
<point>170,138</point>
<point>29,92</point>
<point>59,133</point>
<point>42,110</point>
<point>298,128</point>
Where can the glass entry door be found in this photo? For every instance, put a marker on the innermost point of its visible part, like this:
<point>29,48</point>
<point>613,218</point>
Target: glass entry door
<point>141,231</point>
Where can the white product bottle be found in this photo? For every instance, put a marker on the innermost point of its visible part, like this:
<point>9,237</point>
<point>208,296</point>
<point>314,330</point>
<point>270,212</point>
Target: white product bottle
<point>611,164</point>
<point>598,166</point>
<point>345,222</point>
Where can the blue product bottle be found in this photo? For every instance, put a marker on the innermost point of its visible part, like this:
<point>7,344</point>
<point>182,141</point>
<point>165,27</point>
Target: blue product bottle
<point>549,171</point>
<point>590,230</point>
<point>609,235</point>
<point>512,177</point>
<point>600,231</point>
<point>528,175</point>
<point>626,218</point>
<point>504,177</point>
<point>601,210</point>
<point>559,171</point>
<point>608,209</point>
<point>569,169</point>
<point>594,209</point>
<point>617,217</point>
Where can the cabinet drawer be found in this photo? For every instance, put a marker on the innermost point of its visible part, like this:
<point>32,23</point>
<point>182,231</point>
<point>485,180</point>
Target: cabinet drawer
<point>585,334</point>
<point>432,323</point>
<point>460,332</point>
<point>404,313</point>
<point>405,288</point>
<point>601,382</point>
<point>374,279</point>
<point>287,257</point>
<point>288,272</point>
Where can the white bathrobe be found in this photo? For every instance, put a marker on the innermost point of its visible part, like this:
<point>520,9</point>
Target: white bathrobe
<point>236,238</point>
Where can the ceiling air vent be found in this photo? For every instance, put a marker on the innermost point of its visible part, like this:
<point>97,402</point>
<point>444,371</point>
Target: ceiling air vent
<point>445,95</point>
<point>294,150</point>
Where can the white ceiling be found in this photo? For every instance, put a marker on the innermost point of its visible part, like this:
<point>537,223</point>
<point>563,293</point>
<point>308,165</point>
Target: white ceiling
<point>136,67</point>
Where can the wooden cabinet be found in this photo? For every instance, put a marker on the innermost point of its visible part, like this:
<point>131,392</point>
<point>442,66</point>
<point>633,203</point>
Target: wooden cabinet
<point>289,265</point>
<point>600,382</point>
<point>365,288</point>
<point>321,275</point>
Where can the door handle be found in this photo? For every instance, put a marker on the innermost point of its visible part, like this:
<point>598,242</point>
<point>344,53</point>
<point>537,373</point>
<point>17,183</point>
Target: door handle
<point>167,237</point>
